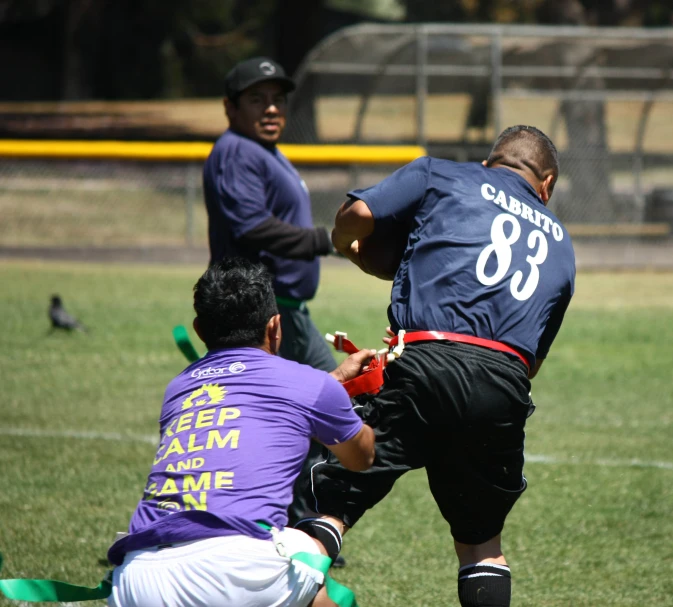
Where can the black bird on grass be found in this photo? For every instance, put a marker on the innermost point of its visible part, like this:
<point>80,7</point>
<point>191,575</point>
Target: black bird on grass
<point>60,319</point>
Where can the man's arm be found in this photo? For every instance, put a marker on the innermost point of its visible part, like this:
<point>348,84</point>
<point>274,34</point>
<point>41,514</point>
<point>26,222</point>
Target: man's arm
<point>533,372</point>
<point>353,222</point>
<point>397,197</point>
<point>353,365</point>
<point>356,454</point>
<point>287,240</point>
<point>551,330</point>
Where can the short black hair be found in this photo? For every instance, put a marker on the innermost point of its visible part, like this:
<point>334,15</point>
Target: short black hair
<point>526,146</point>
<point>234,301</point>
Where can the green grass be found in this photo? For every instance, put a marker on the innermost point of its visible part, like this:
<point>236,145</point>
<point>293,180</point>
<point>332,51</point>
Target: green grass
<point>79,417</point>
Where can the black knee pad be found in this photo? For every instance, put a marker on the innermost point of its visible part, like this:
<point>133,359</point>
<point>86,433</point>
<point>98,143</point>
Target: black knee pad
<point>323,531</point>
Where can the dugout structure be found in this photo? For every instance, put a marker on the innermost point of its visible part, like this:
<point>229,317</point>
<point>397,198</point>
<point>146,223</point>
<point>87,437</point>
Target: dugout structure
<point>604,95</point>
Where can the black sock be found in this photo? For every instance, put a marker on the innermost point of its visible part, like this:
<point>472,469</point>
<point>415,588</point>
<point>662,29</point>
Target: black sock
<point>484,585</point>
<point>325,532</point>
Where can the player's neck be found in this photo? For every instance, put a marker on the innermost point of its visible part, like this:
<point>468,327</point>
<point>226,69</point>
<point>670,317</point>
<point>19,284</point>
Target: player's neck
<point>525,173</point>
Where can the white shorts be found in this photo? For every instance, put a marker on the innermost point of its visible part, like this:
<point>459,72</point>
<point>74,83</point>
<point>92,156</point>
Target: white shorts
<point>234,571</point>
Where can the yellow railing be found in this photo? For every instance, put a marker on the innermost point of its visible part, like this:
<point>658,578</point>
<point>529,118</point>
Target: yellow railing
<point>198,150</point>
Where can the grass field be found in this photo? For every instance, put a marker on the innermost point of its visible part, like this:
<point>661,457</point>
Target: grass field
<point>78,433</point>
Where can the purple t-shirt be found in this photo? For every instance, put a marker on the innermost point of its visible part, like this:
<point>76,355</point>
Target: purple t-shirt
<point>245,184</point>
<point>235,430</point>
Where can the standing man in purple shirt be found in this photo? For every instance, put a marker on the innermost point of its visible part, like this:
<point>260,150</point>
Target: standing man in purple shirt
<point>476,303</point>
<point>235,429</point>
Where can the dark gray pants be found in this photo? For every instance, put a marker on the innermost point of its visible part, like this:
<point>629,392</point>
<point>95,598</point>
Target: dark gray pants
<point>303,343</point>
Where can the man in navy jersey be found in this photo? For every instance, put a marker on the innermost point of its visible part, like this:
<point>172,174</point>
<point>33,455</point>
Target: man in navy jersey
<point>259,208</point>
<point>481,292</point>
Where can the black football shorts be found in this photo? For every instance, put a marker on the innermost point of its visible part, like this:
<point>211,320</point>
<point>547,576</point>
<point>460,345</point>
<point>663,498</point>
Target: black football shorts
<point>458,410</point>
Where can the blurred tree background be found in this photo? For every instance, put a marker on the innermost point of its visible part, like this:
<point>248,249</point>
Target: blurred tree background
<point>53,50</point>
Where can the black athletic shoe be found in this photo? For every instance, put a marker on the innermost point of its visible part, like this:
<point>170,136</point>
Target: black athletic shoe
<point>339,562</point>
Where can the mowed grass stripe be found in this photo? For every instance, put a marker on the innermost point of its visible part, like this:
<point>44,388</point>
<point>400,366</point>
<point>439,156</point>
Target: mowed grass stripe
<point>96,436</point>
<point>153,440</point>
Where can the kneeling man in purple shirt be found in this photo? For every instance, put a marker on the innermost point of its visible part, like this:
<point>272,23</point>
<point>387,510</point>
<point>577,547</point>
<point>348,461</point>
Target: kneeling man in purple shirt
<point>235,429</point>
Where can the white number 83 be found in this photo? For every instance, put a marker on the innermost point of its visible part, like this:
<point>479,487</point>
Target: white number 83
<point>501,245</point>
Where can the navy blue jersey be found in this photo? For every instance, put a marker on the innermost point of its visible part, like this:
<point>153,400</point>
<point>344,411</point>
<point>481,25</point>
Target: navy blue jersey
<point>244,185</point>
<point>485,257</point>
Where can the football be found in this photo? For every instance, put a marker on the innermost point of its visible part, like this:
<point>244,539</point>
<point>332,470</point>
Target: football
<point>381,252</point>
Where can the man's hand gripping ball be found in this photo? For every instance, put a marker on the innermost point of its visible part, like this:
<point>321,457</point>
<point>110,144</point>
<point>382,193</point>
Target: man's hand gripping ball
<point>380,253</point>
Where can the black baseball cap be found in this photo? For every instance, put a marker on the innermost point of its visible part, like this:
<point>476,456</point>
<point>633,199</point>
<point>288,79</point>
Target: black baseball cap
<point>251,71</point>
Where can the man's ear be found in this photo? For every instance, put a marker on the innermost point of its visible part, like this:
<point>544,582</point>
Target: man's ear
<point>274,333</point>
<point>546,188</point>
<point>229,108</point>
<point>197,329</point>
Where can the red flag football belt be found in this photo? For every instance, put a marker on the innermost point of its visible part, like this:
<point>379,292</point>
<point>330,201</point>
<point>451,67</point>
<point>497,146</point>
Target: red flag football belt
<point>457,337</point>
<point>370,381</point>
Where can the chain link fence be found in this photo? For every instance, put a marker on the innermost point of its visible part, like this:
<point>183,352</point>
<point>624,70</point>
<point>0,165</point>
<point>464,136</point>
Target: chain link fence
<point>605,96</point>
<point>104,204</point>
<point>98,203</point>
